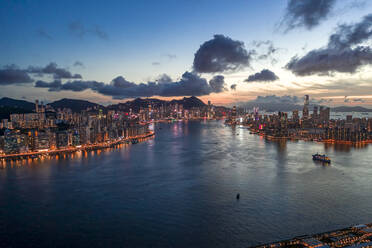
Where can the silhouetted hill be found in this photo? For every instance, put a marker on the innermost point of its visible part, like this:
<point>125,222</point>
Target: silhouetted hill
<point>5,111</point>
<point>136,104</point>
<point>12,106</point>
<point>350,109</point>
<point>189,102</point>
<point>19,104</point>
<point>74,104</point>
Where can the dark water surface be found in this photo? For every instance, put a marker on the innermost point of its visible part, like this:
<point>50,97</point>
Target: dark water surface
<point>178,190</point>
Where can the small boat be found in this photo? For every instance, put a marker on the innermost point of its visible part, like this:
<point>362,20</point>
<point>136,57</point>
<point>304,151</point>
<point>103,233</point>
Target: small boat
<point>321,158</point>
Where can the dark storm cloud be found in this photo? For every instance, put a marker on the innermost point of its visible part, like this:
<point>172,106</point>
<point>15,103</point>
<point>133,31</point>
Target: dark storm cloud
<point>217,84</point>
<point>328,60</point>
<point>221,54</point>
<point>76,85</point>
<point>306,13</point>
<point>189,85</point>
<point>345,52</point>
<point>263,76</point>
<point>52,86</point>
<point>13,75</point>
<point>77,28</point>
<point>233,87</point>
<point>52,69</point>
<point>348,35</point>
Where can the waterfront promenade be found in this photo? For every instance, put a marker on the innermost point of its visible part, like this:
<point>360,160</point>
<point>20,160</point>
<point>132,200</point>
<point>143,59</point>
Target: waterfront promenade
<point>72,149</point>
<point>298,137</point>
<point>355,236</point>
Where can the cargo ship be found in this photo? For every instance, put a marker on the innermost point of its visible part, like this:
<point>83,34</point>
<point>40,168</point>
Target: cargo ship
<point>322,158</point>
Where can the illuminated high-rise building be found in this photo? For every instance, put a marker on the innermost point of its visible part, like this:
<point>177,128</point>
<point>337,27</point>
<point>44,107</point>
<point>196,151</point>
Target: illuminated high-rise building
<point>305,111</point>
<point>315,112</point>
<point>37,106</point>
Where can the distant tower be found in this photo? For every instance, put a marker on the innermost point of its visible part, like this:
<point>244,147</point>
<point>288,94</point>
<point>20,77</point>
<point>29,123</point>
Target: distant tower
<point>42,107</point>
<point>37,106</point>
<point>315,112</point>
<point>305,112</point>
<point>255,111</point>
<point>233,112</point>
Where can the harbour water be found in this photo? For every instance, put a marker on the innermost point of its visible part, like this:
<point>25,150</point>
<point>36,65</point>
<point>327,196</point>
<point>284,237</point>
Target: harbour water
<point>179,190</point>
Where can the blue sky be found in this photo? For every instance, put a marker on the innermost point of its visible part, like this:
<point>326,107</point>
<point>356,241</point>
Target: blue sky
<point>141,40</point>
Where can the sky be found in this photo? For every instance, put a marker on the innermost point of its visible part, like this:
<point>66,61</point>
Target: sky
<point>228,52</point>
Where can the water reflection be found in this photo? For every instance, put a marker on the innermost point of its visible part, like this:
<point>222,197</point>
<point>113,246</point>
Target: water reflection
<point>178,190</point>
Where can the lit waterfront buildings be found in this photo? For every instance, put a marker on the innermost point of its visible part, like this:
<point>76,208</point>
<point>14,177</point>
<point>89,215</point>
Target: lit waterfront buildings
<point>357,236</point>
<point>316,126</point>
<point>54,129</point>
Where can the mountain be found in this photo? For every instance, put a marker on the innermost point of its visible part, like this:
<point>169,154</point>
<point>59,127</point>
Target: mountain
<point>350,109</point>
<point>75,105</point>
<point>10,106</point>
<point>136,104</point>
<point>18,104</point>
<point>189,102</point>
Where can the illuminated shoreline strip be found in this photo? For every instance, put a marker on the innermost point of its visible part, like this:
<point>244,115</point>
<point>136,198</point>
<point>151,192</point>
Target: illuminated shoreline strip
<point>77,148</point>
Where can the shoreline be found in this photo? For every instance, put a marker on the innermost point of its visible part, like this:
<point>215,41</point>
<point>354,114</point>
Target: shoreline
<point>327,141</point>
<point>37,154</point>
<point>360,234</point>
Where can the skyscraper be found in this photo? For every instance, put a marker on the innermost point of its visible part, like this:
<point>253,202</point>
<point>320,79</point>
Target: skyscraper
<point>37,106</point>
<point>305,111</point>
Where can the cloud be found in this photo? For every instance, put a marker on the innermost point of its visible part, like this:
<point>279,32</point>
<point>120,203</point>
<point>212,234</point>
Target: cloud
<point>12,75</point>
<point>171,56</point>
<point>99,32</point>
<point>320,101</point>
<point>155,63</point>
<point>164,78</point>
<point>78,29</point>
<point>265,50</point>
<point>221,54</point>
<point>263,76</point>
<point>345,52</point>
<point>190,84</point>
<point>76,86</point>
<point>278,99</point>
<point>353,100</point>
<point>52,86</point>
<point>44,34</point>
<point>52,69</point>
<point>306,13</point>
<point>79,64</point>
<point>273,103</point>
<point>233,87</point>
<point>217,84</point>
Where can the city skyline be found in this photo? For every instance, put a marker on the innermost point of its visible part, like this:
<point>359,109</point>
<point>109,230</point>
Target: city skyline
<point>223,52</point>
